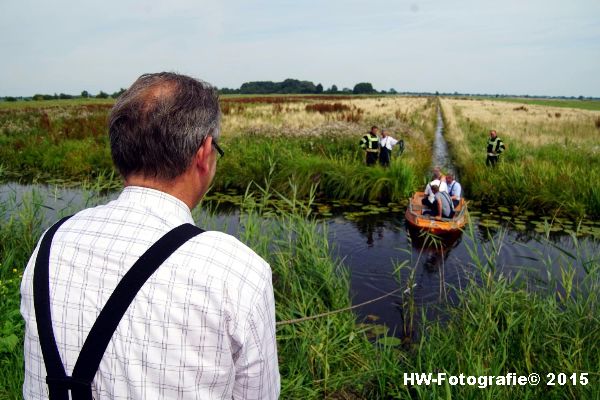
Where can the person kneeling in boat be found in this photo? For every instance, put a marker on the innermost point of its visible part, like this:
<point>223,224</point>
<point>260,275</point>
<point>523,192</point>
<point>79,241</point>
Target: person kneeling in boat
<point>442,206</point>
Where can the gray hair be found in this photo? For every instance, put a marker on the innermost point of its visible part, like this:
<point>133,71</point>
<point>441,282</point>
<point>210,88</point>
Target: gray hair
<point>158,124</point>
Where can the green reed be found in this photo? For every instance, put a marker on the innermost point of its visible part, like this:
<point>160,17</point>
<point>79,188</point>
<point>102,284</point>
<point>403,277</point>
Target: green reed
<point>532,322</point>
<point>66,143</point>
<point>552,178</point>
<point>19,232</point>
<point>334,165</point>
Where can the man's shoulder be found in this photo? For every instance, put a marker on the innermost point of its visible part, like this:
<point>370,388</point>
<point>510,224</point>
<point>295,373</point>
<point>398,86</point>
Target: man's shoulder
<point>230,254</point>
<point>225,242</point>
<point>109,225</point>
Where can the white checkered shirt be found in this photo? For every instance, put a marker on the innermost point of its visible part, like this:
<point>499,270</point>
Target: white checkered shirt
<point>202,327</point>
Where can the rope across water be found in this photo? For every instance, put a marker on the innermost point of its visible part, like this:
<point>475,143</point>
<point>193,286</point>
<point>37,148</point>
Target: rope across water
<point>294,321</point>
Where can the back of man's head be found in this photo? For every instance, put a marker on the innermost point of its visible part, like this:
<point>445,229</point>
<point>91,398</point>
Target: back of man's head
<point>160,122</point>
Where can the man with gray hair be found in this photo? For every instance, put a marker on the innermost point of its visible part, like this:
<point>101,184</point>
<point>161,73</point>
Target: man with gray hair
<point>130,299</point>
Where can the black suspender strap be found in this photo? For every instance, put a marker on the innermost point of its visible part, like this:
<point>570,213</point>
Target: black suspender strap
<point>41,303</point>
<point>99,336</point>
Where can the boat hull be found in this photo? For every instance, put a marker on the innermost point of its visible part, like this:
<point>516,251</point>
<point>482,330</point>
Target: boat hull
<point>416,219</point>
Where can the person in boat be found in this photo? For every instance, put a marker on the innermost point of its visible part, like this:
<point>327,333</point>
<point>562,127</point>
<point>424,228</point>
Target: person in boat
<point>442,206</point>
<point>370,144</point>
<point>454,189</point>
<point>199,316</point>
<point>495,147</point>
<point>387,143</point>
<point>440,181</point>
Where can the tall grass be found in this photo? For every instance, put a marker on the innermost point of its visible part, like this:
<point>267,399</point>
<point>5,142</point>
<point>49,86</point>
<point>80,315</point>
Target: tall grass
<point>69,144</point>
<point>334,164</point>
<point>504,324</point>
<point>549,165</point>
<point>46,143</point>
<point>20,229</point>
<point>583,104</point>
<point>326,357</point>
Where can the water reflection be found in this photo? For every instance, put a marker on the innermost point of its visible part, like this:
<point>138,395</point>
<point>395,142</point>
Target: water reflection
<point>370,228</point>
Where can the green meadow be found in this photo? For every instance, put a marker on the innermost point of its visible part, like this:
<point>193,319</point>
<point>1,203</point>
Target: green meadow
<point>67,143</point>
<point>552,152</point>
<point>570,103</point>
<point>551,162</point>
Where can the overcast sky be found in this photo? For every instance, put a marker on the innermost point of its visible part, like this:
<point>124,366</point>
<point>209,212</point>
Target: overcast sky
<point>539,47</point>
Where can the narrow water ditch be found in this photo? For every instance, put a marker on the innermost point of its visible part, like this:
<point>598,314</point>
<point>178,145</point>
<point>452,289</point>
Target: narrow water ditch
<point>441,155</point>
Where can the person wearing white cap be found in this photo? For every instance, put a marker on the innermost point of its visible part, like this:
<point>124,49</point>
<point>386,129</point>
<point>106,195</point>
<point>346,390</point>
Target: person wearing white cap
<point>439,181</point>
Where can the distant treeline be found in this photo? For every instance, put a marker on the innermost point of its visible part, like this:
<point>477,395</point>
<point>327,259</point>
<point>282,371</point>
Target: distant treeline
<point>288,86</point>
<point>63,96</point>
<point>497,95</point>
<point>295,86</point>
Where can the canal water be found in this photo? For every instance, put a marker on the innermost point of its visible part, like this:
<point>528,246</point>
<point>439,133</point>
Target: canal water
<point>441,155</point>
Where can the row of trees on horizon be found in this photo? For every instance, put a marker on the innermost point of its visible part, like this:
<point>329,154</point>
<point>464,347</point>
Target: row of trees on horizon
<point>288,86</point>
<point>294,86</point>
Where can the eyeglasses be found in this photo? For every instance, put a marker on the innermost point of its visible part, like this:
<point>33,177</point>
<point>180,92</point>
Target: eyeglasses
<point>216,146</point>
<point>219,150</point>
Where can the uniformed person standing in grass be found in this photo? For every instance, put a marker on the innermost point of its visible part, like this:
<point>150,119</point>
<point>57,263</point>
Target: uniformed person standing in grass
<point>370,143</point>
<point>495,147</point>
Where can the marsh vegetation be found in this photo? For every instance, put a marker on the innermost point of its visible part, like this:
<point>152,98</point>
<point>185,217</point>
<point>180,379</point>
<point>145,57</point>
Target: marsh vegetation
<point>282,153</point>
<point>496,324</point>
<point>551,163</point>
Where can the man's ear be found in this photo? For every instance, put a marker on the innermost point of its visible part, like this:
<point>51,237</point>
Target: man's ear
<point>202,158</point>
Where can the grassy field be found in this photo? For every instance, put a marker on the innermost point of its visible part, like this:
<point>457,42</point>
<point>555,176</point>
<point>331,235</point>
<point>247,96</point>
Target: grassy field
<point>552,153</point>
<point>593,105</point>
<point>551,162</point>
<point>498,325</point>
<point>314,139</point>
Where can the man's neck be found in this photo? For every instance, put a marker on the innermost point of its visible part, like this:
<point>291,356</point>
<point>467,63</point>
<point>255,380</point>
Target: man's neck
<point>177,187</point>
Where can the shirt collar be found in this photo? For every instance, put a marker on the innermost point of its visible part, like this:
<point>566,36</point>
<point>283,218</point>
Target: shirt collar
<point>163,203</point>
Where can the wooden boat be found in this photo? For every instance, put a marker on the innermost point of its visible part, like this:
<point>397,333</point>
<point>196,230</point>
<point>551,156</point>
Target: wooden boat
<point>416,219</point>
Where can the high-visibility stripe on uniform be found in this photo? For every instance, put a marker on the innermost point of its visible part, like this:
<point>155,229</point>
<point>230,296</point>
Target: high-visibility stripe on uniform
<point>495,145</point>
<point>370,142</point>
